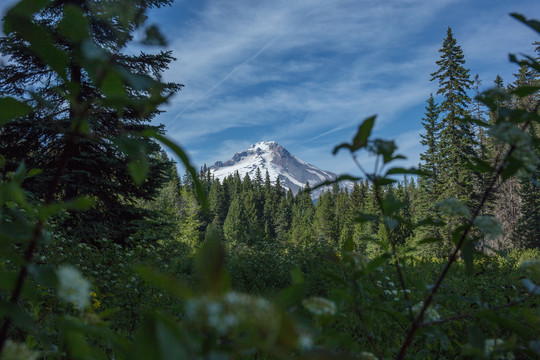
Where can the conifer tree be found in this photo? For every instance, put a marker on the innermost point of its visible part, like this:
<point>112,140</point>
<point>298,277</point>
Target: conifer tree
<point>325,218</point>
<point>218,203</point>
<point>234,227</point>
<point>430,140</point>
<point>94,166</point>
<point>456,137</point>
<point>527,233</point>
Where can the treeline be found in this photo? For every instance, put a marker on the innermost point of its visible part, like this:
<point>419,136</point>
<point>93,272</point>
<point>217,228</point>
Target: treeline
<point>254,211</point>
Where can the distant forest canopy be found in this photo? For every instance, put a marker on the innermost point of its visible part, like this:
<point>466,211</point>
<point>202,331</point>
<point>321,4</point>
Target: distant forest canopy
<point>456,154</point>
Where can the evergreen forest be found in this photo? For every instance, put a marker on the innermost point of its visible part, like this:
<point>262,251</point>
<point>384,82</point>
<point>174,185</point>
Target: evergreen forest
<point>107,252</point>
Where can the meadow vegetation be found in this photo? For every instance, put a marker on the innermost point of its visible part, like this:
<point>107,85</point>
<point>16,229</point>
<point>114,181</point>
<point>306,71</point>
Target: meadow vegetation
<point>106,253</point>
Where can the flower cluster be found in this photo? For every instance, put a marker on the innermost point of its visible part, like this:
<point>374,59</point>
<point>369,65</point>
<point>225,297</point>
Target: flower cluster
<point>231,311</point>
<point>452,207</point>
<point>17,351</point>
<point>320,306</point>
<point>430,314</point>
<point>364,355</point>
<point>489,225</point>
<point>492,345</point>
<point>305,341</point>
<point>73,287</point>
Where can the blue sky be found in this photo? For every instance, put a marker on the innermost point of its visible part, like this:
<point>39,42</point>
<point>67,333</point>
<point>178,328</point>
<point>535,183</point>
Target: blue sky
<point>306,72</point>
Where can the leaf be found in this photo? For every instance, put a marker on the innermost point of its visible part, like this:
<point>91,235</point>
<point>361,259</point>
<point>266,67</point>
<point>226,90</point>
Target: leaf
<point>201,194</point>
<point>165,282</point>
<point>376,262</point>
<point>74,25</point>
<point>154,36</point>
<point>524,91</point>
<point>381,181</point>
<point>138,170</point>
<point>467,251</point>
<point>79,204</point>
<point>77,345</point>
<point>33,172</point>
<point>533,24</point>
<point>337,180</point>
<point>289,297</point>
<point>41,42</point>
<point>413,171</point>
<point>18,316</point>
<point>505,322</point>
<point>113,86</point>
<point>531,287</point>
<point>160,338</point>
<point>210,264</point>
<point>360,139</point>
<point>429,240</point>
<point>69,324</point>
<point>12,109</point>
<point>480,165</point>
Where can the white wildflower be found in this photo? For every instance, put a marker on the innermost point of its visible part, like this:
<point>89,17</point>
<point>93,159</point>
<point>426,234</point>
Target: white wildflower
<point>391,284</point>
<point>320,306</point>
<point>394,292</point>
<point>430,314</point>
<point>73,287</point>
<point>492,345</point>
<point>453,207</point>
<point>489,225</point>
<point>17,351</point>
<point>364,355</point>
<point>305,341</point>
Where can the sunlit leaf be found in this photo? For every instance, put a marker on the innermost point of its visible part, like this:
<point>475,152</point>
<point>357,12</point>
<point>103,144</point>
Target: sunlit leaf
<point>360,140</point>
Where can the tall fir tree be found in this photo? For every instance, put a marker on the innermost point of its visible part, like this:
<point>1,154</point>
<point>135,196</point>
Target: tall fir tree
<point>456,145</point>
<point>528,227</point>
<point>93,165</point>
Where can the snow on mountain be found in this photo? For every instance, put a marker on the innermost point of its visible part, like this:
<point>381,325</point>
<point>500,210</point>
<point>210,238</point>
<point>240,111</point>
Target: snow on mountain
<point>269,156</point>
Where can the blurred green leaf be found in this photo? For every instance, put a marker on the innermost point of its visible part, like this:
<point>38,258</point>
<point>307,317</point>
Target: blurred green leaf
<point>79,204</point>
<point>413,171</point>
<point>154,36</point>
<point>160,338</point>
<point>201,194</point>
<point>12,109</point>
<point>74,25</point>
<point>33,172</point>
<point>360,140</point>
<point>210,264</point>
<point>77,345</point>
<point>41,42</point>
<point>138,169</point>
<point>166,282</point>
<point>534,24</point>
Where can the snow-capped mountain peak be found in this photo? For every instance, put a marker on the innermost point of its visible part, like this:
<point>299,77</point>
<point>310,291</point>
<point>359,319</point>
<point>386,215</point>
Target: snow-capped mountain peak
<point>269,156</point>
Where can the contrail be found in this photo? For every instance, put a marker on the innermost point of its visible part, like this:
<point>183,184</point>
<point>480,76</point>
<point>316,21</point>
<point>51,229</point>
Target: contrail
<point>324,134</point>
<point>228,75</point>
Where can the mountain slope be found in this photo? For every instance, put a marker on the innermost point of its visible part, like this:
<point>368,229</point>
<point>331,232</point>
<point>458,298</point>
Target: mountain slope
<point>269,156</point>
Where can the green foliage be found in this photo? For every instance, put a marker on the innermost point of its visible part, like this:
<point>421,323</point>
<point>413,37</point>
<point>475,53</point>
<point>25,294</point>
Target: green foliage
<point>190,277</point>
